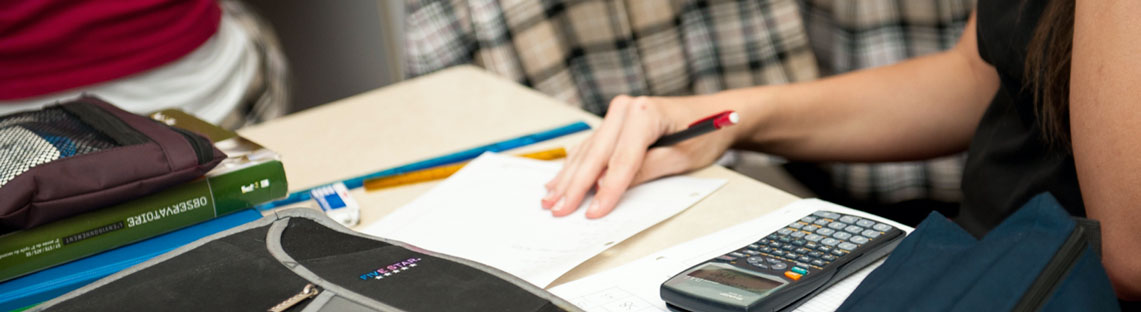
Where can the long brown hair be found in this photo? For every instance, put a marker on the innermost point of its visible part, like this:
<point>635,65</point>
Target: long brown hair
<point>1047,71</point>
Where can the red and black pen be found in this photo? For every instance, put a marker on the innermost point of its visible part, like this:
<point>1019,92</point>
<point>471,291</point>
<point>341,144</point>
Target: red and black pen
<point>703,126</point>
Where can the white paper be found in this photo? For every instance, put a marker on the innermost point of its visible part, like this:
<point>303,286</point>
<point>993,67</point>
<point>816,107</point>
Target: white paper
<point>489,212</point>
<point>634,287</point>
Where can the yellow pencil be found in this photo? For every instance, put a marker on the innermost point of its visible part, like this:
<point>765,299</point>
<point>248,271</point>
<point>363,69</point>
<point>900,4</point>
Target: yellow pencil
<point>446,171</point>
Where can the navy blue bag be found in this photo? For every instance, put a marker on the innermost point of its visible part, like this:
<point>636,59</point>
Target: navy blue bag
<point>1038,259</point>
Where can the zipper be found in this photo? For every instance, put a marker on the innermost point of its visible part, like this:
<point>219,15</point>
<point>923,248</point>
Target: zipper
<point>200,145</point>
<point>309,291</point>
<point>1058,267</point>
<point>105,122</point>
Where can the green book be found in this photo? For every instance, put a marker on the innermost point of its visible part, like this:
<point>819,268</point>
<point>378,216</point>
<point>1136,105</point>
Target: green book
<point>250,175</point>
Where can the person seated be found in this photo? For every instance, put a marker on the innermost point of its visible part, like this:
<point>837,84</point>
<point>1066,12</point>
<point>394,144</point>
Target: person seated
<point>1039,93</point>
<point>214,60</point>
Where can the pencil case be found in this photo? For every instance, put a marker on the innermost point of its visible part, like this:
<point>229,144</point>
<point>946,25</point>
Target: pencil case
<point>85,154</point>
<point>301,260</point>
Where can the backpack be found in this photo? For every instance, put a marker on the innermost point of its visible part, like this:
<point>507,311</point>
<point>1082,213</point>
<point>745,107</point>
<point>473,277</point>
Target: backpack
<point>1038,259</point>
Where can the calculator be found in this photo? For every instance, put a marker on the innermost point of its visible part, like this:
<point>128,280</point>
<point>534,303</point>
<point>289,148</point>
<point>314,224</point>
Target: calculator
<point>784,269</point>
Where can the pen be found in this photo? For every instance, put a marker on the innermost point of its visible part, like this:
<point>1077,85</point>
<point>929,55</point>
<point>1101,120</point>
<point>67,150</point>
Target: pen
<point>703,126</point>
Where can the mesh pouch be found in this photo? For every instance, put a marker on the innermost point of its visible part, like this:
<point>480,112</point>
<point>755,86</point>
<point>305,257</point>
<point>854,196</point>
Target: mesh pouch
<point>86,154</point>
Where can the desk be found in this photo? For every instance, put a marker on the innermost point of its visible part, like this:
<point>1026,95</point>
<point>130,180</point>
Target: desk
<point>464,107</point>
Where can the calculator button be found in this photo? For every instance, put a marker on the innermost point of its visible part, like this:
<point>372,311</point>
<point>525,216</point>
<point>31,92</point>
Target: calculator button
<point>830,241</point>
<point>766,249</point>
<point>882,227</point>
<point>813,238</point>
<point>779,266</point>
<point>832,215</point>
<point>825,232</point>
<point>726,258</point>
<point>754,246</point>
<point>848,246</point>
<point>859,240</point>
<point>824,249</point>
<point>796,225</point>
<point>837,225</point>
<point>775,244</point>
<point>799,270</point>
<point>788,247</point>
<point>797,234</point>
<point>815,254</point>
<point>842,235</point>
<point>737,254</point>
<point>839,252</point>
<point>848,219</point>
<point>793,275</point>
<point>865,223</point>
<point>810,228</point>
<point>828,258</point>
<point>812,245</point>
<point>773,260</point>
<point>772,237</point>
<point>754,260</point>
<point>854,229</point>
<point>785,239</point>
<point>870,234</point>
<point>821,213</point>
<point>785,231</point>
<point>818,263</point>
<point>791,255</point>
<point>800,242</point>
<point>750,252</point>
<point>821,222</point>
<point>808,219</point>
<point>803,250</point>
<point>777,252</point>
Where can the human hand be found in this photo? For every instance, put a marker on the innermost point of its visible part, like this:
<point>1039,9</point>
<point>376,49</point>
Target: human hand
<point>615,156</point>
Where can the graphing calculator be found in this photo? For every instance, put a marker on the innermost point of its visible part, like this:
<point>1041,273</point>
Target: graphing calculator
<point>784,269</point>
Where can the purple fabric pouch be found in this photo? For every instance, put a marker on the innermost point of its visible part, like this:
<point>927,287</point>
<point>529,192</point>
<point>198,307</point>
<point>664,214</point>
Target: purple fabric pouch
<point>86,154</point>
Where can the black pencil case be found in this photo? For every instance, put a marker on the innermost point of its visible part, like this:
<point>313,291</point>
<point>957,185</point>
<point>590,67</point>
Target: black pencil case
<point>300,260</point>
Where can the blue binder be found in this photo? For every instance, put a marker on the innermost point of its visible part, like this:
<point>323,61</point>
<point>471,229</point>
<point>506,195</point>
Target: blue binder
<point>44,285</point>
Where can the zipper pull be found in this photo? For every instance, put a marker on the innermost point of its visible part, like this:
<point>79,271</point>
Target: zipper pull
<point>309,291</point>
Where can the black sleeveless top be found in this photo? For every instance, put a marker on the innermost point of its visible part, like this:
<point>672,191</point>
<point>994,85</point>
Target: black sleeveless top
<point>1009,161</point>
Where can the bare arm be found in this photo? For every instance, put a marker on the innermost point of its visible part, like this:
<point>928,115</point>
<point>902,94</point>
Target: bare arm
<point>915,109</point>
<point>921,108</point>
<point>1105,118</point>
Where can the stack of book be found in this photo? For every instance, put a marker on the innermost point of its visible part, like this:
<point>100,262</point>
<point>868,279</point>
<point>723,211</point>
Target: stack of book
<point>43,262</point>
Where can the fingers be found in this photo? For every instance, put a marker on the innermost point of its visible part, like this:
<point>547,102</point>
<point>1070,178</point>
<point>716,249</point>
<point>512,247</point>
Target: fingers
<point>622,166</point>
<point>584,168</point>
<point>554,193</point>
<point>655,163</point>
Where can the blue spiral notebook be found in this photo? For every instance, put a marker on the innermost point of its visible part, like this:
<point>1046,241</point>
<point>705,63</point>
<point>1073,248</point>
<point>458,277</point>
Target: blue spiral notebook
<point>44,285</point>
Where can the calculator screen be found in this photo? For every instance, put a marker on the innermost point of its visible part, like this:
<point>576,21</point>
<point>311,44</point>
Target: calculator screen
<point>736,279</point>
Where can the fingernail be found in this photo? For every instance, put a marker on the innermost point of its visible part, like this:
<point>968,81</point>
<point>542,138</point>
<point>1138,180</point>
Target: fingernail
<point>593,209</point>
<point>549,200</point>
<point>559,205</point>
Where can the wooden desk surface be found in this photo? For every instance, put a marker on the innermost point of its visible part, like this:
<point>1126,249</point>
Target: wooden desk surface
<point>460,108</point>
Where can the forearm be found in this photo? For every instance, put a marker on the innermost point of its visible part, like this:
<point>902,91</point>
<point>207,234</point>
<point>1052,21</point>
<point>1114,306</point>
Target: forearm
<point>916,109</point>
<point>913,110</point>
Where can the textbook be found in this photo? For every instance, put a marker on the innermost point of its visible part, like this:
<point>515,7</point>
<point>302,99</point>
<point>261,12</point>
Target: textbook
<point>250,175</point>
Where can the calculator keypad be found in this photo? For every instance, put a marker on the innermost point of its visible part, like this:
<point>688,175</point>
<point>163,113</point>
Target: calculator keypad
<point>809,244</point>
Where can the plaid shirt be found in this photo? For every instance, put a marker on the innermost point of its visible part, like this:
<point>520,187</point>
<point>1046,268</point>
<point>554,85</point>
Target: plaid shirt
<point>584,53</point>
<point>587,52</point>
